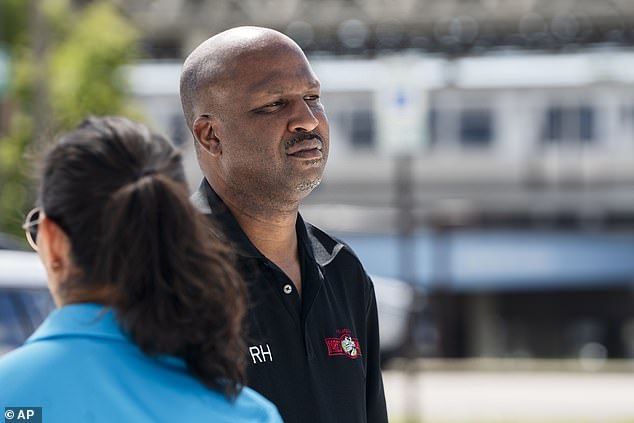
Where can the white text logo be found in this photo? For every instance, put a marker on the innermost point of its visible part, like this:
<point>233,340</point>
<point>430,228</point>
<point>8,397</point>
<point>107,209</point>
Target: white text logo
<point>259,353</point>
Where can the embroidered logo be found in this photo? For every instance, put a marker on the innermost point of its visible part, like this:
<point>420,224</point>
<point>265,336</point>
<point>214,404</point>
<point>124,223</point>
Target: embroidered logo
<point>344,345</point>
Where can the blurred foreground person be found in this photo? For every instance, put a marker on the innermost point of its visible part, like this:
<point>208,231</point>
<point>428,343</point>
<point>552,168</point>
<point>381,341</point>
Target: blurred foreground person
<point>252,102</point>
<point>148,327</point>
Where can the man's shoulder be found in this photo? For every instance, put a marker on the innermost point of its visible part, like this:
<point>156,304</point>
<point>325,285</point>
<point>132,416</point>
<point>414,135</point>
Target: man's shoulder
<point>328,248</point>
<point>339,261</point>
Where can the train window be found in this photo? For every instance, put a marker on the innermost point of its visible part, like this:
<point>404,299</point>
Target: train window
<point>586,123</point>
<point>351,114</point>
<point>553,127</point>
<point>468,127</point>
<point>476,127</point>
<point>362,129</point>
<point>571,124</point>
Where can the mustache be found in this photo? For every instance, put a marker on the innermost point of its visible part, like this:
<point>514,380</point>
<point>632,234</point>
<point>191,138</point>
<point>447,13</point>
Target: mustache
<point>302,137</point>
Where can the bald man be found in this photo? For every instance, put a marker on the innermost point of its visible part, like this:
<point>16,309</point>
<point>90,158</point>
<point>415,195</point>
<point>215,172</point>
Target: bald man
<point>253,105</point>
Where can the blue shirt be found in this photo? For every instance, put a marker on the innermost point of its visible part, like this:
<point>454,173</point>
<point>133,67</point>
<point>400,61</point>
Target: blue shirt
<point>80,367</point>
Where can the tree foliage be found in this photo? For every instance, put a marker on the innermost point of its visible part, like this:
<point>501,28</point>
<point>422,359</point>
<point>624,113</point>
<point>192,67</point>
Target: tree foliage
<point>85,49</point>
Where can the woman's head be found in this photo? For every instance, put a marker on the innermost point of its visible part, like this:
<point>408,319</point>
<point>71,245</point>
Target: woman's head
<point>117,228</point>
<point>86,177</point>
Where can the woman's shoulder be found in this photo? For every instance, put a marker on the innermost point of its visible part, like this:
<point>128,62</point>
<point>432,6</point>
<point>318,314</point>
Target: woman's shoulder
<point>32,368</point>
<point>31,356</point>
<point>56,374</point>
<point>248,406</point>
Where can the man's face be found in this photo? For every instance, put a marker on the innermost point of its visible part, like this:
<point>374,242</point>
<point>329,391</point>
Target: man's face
<point>272,127</point>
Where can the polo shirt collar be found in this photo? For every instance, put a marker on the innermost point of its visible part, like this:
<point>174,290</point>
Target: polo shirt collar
<point>209,202</point>
<point>80,320</point>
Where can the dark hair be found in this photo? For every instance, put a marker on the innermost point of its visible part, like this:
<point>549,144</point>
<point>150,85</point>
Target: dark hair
<point>118,191</point>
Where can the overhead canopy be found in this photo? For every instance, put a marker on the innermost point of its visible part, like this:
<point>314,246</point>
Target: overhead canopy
<point>478,260</point>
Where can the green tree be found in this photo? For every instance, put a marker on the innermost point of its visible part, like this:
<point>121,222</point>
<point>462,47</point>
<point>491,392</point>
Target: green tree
<point>64,67</point>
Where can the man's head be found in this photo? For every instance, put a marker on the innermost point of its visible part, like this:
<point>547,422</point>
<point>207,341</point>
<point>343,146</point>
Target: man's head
<point>253,105</point>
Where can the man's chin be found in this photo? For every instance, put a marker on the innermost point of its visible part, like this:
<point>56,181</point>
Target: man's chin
<point>307,186</point>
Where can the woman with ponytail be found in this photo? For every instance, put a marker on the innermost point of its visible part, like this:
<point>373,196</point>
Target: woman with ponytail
<point>149,320</point>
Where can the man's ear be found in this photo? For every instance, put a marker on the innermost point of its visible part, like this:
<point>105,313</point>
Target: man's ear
<point>206,135</point>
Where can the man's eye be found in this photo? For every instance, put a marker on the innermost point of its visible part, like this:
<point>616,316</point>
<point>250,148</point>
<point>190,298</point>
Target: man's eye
<point>311,98</point>
<point>271,107</point>
<point>275,104</point>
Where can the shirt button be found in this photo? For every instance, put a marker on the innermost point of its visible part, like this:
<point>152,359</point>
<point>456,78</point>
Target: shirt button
<point>288,289</point>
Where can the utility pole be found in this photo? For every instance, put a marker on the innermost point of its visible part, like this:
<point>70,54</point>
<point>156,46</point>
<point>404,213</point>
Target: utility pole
<point>406,224</point>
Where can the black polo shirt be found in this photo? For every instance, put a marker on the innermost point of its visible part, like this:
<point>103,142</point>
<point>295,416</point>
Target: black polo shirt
<point>316,358</point>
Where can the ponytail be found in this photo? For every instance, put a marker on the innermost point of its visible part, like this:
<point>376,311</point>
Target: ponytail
<point>171,284</point>
<point>176,292</point>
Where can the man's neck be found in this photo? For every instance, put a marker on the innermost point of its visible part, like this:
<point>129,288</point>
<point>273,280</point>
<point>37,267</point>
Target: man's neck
<point>273,234</point>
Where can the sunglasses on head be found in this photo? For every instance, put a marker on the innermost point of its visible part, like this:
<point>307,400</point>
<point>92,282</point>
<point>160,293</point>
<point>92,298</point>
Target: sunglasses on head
<point>31,226</point>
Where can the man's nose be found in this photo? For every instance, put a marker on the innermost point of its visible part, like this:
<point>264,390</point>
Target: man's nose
<point>303,118</point>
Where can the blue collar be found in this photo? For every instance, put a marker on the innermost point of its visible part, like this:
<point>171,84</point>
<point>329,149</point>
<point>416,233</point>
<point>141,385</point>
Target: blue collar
<point>80,320</point>
<point>89,320</point>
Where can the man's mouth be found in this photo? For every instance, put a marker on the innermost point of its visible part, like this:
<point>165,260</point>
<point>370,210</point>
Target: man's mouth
<point>306,151</point>
<point>307,148</point>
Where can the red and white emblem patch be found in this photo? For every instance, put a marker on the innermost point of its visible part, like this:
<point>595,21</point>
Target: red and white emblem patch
<point>344,345</point>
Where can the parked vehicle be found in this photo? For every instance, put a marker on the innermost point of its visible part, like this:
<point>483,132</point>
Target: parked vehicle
<point>24,297</point>
<point>25,302</point>
<point>394,299</point>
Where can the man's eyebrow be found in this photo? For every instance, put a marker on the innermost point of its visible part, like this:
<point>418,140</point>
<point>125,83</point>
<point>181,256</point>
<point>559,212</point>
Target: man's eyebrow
<point>279,89</point>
